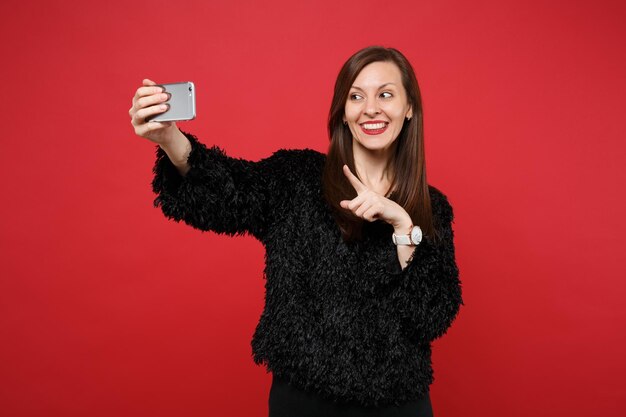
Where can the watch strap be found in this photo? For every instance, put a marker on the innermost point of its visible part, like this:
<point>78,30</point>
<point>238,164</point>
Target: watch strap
<point>401,239</point>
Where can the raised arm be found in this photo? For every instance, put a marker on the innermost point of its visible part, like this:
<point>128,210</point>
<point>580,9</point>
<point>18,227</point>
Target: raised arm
<point>218,192</point>
<point>150,99</point>
<point>203,186</point>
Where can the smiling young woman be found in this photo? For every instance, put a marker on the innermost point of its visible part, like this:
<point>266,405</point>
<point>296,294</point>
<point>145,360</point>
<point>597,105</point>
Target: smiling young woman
<point>376,110</point>
<point>360,262</point>
<point>378,85</point>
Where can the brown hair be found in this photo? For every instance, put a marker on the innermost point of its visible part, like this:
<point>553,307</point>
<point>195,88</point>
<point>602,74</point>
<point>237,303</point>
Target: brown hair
<point>410,189</point>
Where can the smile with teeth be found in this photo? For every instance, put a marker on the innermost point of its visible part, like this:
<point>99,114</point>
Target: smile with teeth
<point>373,126</point>
<point>374,129</point>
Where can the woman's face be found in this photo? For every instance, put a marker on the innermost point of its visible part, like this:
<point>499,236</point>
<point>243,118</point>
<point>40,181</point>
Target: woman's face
<point>377,106</point>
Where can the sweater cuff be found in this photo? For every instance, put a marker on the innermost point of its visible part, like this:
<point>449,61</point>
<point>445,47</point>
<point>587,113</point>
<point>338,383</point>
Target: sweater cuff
<point>167,180</point>
<point>218,193</point>
<point>394,269</point>
<point>177,195</point>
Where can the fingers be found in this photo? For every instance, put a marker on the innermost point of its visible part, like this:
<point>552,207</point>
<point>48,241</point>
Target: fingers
<point>148,100</point>
<point>140,115</point>
<point>367,206</point>
<point>356,183</point>
<point>151,100</point>
<point>372,214</point>
<point>148,95</point>
<point>147,128</point>
<point>149,88</point>
<point>369,210</point>
<point>353,204</point>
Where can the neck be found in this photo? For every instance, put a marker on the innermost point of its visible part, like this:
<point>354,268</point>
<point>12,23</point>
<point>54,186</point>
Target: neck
<point>373,167</point>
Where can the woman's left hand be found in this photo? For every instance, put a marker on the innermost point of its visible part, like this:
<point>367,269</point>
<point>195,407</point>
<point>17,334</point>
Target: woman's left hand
<point>372,206</point>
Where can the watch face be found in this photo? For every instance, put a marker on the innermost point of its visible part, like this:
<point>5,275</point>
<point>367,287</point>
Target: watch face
<point>416,235</point>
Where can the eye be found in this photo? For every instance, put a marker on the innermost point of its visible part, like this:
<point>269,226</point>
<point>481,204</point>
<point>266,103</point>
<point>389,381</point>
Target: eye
<point>389,94</point>
<point>353,96</point>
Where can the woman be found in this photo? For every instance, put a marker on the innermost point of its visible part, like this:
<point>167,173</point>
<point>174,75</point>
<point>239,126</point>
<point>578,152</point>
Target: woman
<point>360,263</point>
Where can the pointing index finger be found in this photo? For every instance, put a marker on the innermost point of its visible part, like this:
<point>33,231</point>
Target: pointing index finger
<point>356,183</point>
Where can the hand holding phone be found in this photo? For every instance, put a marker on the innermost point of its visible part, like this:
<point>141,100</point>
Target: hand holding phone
<point>181,104</point>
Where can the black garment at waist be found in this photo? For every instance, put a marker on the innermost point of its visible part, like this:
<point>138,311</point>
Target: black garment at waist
<point>288,401</point>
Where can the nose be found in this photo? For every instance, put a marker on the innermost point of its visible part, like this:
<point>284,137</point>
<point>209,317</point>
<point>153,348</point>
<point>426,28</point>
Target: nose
<point>371,107</point>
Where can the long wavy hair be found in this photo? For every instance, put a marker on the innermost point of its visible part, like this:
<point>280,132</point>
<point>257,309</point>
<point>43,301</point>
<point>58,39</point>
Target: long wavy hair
<point>407,164</point>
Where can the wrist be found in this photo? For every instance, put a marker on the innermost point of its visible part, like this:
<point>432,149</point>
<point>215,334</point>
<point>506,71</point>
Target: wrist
<point>404,227</point>
<point>170,137</point>
<point>412,238</point>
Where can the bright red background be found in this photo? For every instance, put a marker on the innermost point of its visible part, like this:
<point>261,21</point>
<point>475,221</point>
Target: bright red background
<point>108,309</point>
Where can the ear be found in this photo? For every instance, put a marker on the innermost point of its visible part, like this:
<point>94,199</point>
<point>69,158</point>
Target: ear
<point>409,114</point>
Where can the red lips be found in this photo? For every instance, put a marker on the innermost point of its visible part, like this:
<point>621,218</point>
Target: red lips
<point>374,131</point>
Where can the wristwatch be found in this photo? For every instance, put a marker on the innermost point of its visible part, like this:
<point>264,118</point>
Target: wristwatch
<point>413,238</point>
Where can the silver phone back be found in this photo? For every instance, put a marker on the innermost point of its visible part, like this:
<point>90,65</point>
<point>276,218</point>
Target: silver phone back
<point>182,102</point>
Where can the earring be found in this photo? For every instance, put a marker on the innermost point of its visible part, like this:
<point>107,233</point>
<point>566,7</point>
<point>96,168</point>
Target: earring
<point>345,122</point>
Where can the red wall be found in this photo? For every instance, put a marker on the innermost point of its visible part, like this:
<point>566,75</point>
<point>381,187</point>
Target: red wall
<point>108,309</point>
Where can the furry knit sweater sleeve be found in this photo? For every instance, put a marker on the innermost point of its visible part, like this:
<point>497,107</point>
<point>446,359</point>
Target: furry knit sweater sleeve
<point>341,319</point>
<point>219,193</point>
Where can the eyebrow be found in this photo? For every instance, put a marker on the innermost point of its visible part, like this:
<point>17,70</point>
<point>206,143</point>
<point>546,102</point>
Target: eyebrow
<point>359,88</point>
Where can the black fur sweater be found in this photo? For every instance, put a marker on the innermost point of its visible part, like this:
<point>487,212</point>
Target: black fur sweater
<point>343,320</point>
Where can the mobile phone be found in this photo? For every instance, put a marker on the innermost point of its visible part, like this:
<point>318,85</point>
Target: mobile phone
<point>182,103</point>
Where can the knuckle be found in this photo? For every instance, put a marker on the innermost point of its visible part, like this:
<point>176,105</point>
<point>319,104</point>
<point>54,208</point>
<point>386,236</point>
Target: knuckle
<point>141,117</point>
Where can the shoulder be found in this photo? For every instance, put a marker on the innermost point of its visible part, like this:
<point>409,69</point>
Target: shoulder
<point>295,161</point>
<point>277,158</point>
<point>299,155</point>
<point>441,207</point>
<point>289,171</point>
